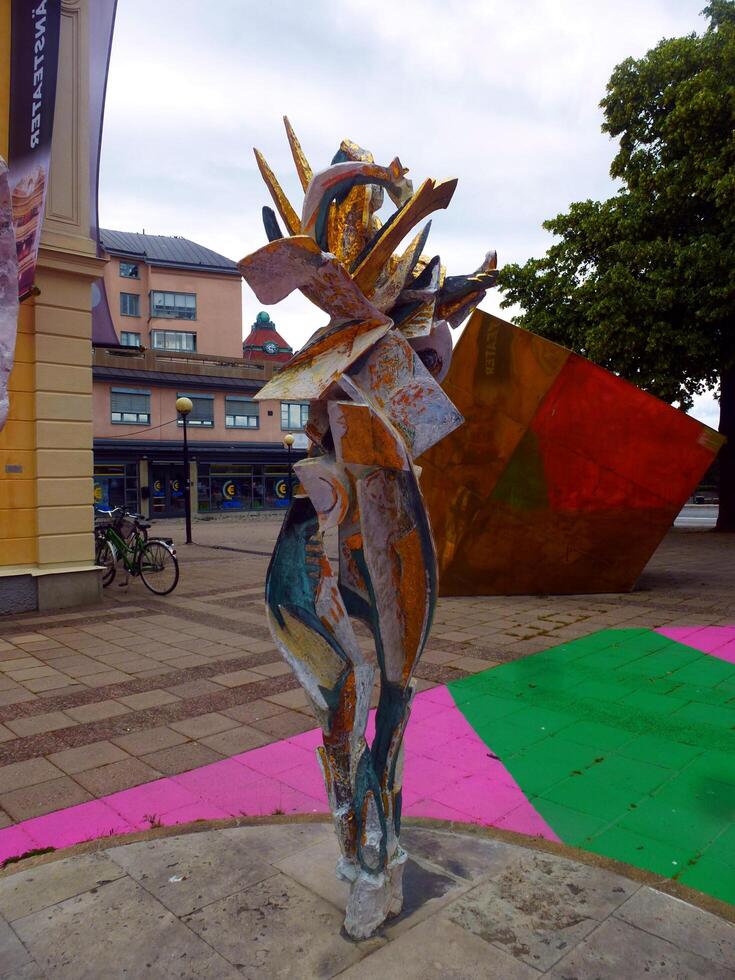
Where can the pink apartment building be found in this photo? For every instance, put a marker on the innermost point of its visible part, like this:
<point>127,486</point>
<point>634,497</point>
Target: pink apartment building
<point>168,322</point>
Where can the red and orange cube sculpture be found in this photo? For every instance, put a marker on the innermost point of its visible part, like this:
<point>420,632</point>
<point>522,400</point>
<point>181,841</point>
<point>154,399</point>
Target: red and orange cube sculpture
<point>563,479</point>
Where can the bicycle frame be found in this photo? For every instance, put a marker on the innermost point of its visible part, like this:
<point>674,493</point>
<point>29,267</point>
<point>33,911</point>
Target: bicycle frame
<point>129,553</point>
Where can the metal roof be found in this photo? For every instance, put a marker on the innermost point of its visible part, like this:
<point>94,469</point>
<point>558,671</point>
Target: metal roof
<point>166,251</point>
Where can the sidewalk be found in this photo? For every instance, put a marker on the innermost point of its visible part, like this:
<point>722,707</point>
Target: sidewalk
<point>605,722</point>
<point>263,901</point>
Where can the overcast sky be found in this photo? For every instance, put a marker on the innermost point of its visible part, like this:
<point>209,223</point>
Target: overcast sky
<point>502,95</point>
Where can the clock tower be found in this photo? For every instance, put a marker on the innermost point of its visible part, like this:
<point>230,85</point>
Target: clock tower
<point>264,343</point>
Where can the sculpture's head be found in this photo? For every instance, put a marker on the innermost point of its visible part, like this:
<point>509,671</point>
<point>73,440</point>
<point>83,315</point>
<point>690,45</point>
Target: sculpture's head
<point>339,225</point>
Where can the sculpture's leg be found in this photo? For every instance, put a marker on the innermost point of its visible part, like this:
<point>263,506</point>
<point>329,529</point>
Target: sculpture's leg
<point>311,627</point>
<point>314,635</point>
<point>401,564</point>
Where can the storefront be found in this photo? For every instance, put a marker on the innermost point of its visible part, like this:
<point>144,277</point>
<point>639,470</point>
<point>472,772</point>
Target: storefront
<point>229,486</point>
<point>116,485</point>
<point>150,479</point>
<point>166,490</point>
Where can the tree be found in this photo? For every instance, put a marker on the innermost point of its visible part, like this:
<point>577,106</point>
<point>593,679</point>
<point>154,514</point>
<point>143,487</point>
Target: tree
<point>644,283</point>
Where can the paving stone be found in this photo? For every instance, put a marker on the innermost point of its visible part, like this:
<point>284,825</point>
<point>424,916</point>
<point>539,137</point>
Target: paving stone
<point>236,678</point>
<point>97,711</point>
<point>59,692</point>
<point>473,665</point>
<point>15,696</point>
<point>686,927</point>
<point>148,699</point>
<point>20,774</point>
<point>30,672</point>
<point>439,950</point>
<point>190,871</point>
<point>206,724</point>
<point>299,935</point>
<point>149,740</point>
<point>190,660</point>
<point>616,949</point>
<point>25,892</point>
<point>79,666</point>
<point>438,657</point>
<point>277,669</point>
<point>87,757</point>
<point>254,711</point>
<point>118,930</point>
<point>14,957</point>
<point>33,801</point>
<point>285,725</point>
<point>464,856</point>
<point>290,699</point>
<point>314,868</point>
<point>181,758</point>
<point>108,677</point>
<point>19,663</point>
<point>51,721</point>
<point>289,838</point>
<point>194,689</point>
<point>236,740</point>
<point>5,734</point>
<point>116,776</point>
<point>536,905</point>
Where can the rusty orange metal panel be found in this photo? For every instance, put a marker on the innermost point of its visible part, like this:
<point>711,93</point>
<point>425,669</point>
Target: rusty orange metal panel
<point>564,478</point>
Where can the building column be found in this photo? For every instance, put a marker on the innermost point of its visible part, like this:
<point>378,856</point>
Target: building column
<point>144,481</point>
<point>193,487</point>
<point>46,485</point>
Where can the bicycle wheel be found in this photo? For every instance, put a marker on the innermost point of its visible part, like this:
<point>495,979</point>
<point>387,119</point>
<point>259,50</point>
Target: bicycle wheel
<point>158,567</point>
<point>106,556</point>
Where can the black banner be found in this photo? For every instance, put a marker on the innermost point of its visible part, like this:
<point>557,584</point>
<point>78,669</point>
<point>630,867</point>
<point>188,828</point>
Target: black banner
<point>34,57</point>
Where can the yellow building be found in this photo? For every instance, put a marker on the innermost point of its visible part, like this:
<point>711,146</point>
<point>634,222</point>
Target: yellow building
<point>46,540</point>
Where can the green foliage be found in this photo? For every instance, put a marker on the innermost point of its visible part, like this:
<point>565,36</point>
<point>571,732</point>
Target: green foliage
<point>644,283</point>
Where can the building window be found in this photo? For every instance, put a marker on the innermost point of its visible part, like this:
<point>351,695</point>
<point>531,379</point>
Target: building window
<point>173,340</point>
<point>129,270</point>
<point>129,339</point>
<point>294,416</point>
<point>241,413</point>
<point>129,406</point>
<point>116,485</point>
<point>175,306</point>
<point>130,304</point>
<point>203,412</point>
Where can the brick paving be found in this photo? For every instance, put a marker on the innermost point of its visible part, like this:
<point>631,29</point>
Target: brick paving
<point>98,700</point>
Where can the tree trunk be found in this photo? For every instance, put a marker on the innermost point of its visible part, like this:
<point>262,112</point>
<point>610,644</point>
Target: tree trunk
<point>726,518</point>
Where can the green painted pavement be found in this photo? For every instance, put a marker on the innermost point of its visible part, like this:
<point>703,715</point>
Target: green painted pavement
<point>624,741</point>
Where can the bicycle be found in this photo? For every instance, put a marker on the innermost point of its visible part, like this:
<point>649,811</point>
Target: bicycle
<point>125,539</point>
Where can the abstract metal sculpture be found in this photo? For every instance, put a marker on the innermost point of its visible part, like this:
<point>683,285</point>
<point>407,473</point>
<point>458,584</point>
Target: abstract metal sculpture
<point>572,485</point>
<point>371,377</point>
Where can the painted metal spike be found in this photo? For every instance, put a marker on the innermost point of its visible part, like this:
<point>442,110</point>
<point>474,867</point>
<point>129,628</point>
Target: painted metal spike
<point>302,164</point>
<point>282,203</point>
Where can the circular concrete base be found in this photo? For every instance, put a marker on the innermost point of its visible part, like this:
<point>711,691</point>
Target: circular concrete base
<point>262,900</point>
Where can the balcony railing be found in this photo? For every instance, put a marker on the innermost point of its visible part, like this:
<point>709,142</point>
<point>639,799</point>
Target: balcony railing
<point>181,362</point>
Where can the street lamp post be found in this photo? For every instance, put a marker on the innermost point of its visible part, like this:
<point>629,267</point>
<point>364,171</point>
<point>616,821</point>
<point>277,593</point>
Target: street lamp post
<point>288,443</point>
<point>183,407</point>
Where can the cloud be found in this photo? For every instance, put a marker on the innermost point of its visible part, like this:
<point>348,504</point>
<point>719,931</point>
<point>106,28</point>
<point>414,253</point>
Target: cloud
<point>503,96</point>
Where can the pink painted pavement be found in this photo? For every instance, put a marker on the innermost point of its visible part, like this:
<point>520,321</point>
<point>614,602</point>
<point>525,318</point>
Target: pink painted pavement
<point>449,774</point>
<point>719,641</point>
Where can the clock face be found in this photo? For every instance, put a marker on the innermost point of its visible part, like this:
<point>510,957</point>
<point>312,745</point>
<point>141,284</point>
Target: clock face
<point>270,347</point>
